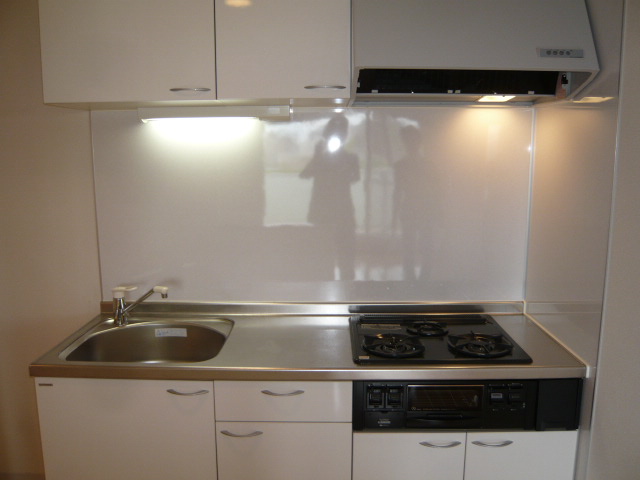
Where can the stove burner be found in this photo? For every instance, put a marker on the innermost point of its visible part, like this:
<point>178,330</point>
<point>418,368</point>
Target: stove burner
<point>428,328</point>
<point>392,345</point>
<point>480,345</point>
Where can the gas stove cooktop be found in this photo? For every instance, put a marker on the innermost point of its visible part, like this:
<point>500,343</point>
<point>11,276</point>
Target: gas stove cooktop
<point>397,339</point>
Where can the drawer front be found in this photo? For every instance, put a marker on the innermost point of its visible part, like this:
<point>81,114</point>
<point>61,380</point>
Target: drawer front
<point>419,455</point>
<point>284,450</point>
<point>283,401</point>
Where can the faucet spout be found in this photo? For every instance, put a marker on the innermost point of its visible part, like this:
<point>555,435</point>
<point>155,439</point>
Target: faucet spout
<point>121,310</point>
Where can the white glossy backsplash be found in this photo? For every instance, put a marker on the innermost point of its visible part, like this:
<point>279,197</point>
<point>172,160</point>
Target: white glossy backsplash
<point>223,211</point>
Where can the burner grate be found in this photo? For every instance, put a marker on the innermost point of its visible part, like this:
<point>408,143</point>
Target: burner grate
<point>426,328</point>
<point>389,339</point>
<point>480,345</point>
<point>392,345</point>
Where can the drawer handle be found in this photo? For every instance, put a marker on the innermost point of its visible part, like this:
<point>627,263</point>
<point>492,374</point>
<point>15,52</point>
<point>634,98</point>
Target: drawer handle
<point>290,394</point>
<point>326,87</point>
<point>442,445</point>
<point>235,435</point>
<point>186,89</point>
<point>493,445</point>
<point>187,394</point>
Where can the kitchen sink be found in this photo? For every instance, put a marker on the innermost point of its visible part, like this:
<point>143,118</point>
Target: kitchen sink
<point>151,342</point>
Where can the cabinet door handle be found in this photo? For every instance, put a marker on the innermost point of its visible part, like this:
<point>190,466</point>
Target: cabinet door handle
<point>190,89</point>
<point>440,445</point>
<point>493,445</point>
<point>290,394</point>
<point>235,435</point>
<point>187,394</point>
<point>325,87</point>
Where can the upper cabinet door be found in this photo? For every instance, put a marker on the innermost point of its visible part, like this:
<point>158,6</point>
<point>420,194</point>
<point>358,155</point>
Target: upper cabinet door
<point>284,49</point>
<point>96,51</point>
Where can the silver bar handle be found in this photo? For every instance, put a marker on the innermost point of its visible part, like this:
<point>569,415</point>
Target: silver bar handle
<point>441,445</point>
<point>189,89</point>
<point>187,394</point>
<point>493,445</point>
<point>290,394</point>
<point>325,87</point>
<point>235,435</point>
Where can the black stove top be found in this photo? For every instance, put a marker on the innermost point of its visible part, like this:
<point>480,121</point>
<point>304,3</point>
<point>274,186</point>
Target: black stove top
<point>390,339</point>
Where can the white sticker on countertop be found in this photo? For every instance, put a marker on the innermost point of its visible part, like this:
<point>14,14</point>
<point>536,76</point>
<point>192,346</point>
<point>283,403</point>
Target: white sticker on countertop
<point>171,332</point>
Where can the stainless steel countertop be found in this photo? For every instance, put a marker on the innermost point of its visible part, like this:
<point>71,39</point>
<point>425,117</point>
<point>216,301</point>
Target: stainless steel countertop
<point>302,344</point>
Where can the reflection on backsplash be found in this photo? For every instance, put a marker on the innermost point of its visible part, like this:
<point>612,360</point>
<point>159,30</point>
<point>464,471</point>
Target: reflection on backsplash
<point>392,204</point>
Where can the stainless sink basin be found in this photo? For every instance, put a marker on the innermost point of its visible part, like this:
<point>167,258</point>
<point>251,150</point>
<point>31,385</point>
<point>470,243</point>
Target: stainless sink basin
<point>150,342</point>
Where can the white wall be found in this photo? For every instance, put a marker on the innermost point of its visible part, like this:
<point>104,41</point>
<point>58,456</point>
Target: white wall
<point>220,212</point>
<point>575,148</point>
<point>571,201</point>
<point>616,423</point>
<point>49,278</point>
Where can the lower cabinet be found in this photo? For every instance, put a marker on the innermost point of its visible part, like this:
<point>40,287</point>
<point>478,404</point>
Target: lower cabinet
<point>281,430</point>
<point>106,429</point>
<point>533,455</point>
<point>126,429</point>
<point>428,456</point>
<point>281,450</point>
<point>465,456</point>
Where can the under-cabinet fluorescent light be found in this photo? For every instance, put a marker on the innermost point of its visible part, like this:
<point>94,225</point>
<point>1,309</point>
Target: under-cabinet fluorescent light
<point>496,98</point>
<point>272,112</point>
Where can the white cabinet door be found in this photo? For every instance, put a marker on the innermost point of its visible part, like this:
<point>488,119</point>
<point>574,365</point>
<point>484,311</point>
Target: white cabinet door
<point>522,455</point>
<point>127,50</point>
<point>126,429</point>
<point>283,401</point>
<point>419,456</point>
<point>284,49</point>
<point>280,450</point>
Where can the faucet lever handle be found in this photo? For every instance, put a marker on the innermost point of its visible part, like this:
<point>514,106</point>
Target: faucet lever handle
<point>121,290</point>
<point>161,290</point>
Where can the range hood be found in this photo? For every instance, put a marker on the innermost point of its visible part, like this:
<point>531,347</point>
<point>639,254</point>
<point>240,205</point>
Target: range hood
<point>410,52</point>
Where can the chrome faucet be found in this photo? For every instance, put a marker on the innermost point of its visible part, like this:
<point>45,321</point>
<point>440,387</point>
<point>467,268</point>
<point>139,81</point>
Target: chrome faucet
<point>121,309</point>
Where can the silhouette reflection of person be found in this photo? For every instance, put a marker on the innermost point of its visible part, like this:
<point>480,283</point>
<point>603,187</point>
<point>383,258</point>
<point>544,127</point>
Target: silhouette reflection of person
<point>410,201</point>
<point>333,171</point>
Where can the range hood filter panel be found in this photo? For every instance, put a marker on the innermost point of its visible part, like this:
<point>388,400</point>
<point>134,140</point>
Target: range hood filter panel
<point>467,82</point>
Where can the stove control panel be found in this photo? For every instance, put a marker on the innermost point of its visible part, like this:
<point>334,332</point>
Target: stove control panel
<point>507,397</point>
<point>467,404</point>
<point>385,396</point>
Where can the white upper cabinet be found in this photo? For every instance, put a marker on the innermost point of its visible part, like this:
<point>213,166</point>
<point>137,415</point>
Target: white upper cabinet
<point>126,53</point>
<point>284,49</point>
<point>102,51</point>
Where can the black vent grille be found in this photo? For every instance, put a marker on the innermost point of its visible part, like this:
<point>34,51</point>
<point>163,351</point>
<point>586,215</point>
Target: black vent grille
<point>469,82</point>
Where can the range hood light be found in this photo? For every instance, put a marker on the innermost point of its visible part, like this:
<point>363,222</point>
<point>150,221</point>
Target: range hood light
<point>272,112</point>
<point>593,100</point>
<point>496,98</point>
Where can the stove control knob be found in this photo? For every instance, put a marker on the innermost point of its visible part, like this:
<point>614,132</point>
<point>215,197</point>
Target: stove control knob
<point>497,397</point>
<point>394,397</point>
<point>375,398</point>
<point>516,397</point>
